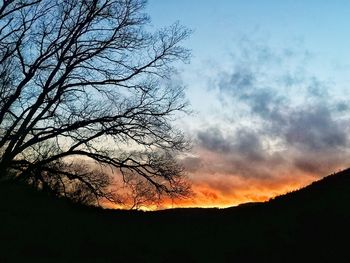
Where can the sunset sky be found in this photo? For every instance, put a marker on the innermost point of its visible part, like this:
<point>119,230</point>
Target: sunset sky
<point>268,86</point>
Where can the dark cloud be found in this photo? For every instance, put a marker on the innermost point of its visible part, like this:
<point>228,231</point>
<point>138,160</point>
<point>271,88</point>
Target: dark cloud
<point>315,128</point>
<point>213,140</point>
<point>244,142</point>
<point>249,144</point>
<point>240,80</point>
<point>241,153</point>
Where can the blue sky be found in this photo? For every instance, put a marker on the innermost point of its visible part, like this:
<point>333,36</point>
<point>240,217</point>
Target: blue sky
<point>268,82</point>
<point>319,28</point>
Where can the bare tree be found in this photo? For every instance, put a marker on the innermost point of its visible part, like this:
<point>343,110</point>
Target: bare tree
<point>87,80</point>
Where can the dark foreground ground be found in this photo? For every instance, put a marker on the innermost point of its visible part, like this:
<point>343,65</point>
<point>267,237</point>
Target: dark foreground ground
<point>309,225</point>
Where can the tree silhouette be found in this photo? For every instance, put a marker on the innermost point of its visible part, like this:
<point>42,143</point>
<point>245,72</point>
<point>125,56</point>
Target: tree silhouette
<point>84,85</point>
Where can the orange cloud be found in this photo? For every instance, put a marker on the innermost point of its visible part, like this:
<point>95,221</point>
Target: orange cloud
<point>224,180</point>
<point>220,190</point>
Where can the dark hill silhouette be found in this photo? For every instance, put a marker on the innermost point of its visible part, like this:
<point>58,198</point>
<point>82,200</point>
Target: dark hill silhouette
<point>308,225</point>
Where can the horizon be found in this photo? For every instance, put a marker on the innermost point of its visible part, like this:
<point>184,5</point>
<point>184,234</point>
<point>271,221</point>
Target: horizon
<point>178,104</point>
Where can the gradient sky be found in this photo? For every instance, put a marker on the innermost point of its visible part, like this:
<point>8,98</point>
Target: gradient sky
<point>268,84</point>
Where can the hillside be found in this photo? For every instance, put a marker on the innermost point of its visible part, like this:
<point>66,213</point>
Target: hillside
<point>311,225</point>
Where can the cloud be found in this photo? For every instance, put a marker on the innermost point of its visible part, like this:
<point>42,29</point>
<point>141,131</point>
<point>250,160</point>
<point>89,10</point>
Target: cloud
<point>213,140</point>
<point>274,127</point>
<point>249,144</point>
<point>191,163</point>
<point>286,124</point>
<point>246,143</point>
<point>314,128</point>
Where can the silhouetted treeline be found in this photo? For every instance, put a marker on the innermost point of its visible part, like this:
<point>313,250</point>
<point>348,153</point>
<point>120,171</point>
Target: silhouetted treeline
<point>309,225</point>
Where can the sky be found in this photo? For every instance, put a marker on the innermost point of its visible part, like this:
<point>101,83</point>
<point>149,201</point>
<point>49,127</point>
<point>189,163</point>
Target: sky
<point>268,86</point>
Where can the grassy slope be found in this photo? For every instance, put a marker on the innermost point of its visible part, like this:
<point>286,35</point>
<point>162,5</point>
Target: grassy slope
<point>309,225</point>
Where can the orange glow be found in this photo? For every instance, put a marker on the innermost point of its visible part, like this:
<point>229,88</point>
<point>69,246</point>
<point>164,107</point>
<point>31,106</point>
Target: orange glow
<point>235,191</point>
<point>222,191</point>
<point>216,182</point>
